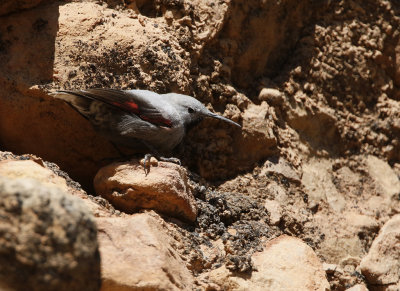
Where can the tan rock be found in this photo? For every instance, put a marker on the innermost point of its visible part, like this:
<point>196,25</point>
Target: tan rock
<point>358,287</point>
<point>164,189</point>
<point>259,141</point>
<point>387,182</point>
<point>48,239</point>
<point>317,181</point>
<point>361,222</point>
<point>272,96</point>
<point>288,257</point>
<point>13,167</point>
<point>281,167</point>
<point>275,211</point>
<point>138,254</point>
<point>381,266</point>
<point>286,263</point>
<point>29,169</point>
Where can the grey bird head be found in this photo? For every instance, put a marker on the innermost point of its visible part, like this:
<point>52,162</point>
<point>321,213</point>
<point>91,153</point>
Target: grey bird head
<point>192,111</point>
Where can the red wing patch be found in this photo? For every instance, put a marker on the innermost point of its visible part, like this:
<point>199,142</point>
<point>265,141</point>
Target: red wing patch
<point>128,106</point>
<point>131,106</point>
<point>158,121</point>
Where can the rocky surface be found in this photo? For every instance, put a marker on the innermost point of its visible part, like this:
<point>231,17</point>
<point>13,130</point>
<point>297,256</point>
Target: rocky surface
<point>282,258</point>
<point>165,188</point>
<point>48,239</point>
<point>138,253</point>
<point>381,265</point>
<point>314,84</point>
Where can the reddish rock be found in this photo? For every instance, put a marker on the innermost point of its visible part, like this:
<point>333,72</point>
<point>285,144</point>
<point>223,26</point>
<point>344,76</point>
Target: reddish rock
<point>286,263</point>
<point>165,189</point>
<point>138,254</point>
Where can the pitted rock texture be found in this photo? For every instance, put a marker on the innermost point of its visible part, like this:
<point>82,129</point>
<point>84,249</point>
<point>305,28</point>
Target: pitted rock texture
<point>165,188</point>
<point>315,85</point>
<point>48,239</point>
<point>282,258</point>
<point>137,253</point>
<point>162,47</point>
<point>49,174</point>
<point>381,266</point>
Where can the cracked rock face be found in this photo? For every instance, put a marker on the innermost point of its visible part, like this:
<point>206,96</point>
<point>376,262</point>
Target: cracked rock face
<point>165,188</point>
<point>314,84</point>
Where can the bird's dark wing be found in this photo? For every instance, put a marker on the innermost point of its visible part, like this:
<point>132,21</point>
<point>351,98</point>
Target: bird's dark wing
<point>127,101</point>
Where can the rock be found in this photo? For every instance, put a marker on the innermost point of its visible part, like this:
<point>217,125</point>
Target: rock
<point>317,181</point>
<point>272,96</point>
<point>138,254</point>
<point>286,263</point>
<point>259,57</point>
<point>28,168</point>
<point>47,239</point>
<point>387,182</point>
<point>258,141</point>
<point>281,167</point>
<point>164,189</point>
<point>49,174</point>
<point>329,268</point>
<point>360,222</point>
<point>275,211</point>
<point>288,257</point>
<point>381,266</point>
<point>357,287</point>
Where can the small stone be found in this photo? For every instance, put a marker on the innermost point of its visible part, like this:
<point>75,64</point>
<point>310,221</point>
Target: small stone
<point>272,96</point>
<point>275,211</point>
<point>168,15</point>
<point>153,162</point>
<point>289,257</point>
<point>358,287</point>
<point>164,189</point>
<point>381,266</point>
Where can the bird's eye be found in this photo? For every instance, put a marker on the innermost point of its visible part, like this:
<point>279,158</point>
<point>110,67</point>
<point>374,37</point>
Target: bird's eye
<point>190,110</point>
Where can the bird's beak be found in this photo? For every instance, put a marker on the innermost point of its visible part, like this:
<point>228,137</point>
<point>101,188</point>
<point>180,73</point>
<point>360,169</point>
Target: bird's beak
<point>216,116</point>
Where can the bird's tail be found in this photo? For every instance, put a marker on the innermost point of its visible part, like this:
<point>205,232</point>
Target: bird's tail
<point>73,98</point>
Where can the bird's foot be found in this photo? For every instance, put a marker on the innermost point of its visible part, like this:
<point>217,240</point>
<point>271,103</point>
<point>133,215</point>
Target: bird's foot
<point>147,161</point>
<point>171,160</point>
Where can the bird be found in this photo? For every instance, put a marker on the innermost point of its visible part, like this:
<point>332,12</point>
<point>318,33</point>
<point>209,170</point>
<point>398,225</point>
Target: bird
<point>143,120</point>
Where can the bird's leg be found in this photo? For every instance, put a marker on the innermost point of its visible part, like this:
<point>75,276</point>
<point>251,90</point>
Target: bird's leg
<point>157,156</point>
<point>146,160</point>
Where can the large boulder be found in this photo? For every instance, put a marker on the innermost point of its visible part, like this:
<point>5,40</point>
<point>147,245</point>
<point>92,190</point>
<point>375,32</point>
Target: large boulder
<point>48,239</point>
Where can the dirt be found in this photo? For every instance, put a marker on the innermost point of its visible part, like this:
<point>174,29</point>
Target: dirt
<point>318,149</point>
